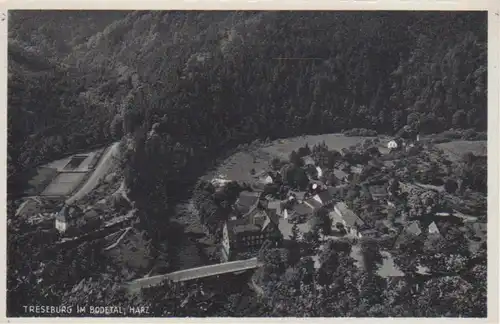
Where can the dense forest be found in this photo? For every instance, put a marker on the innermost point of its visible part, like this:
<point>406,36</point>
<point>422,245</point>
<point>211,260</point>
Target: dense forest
<point>181,88</point>
<point>229,77</point>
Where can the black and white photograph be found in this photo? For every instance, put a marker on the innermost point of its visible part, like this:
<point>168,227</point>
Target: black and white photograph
<point>211,163</point>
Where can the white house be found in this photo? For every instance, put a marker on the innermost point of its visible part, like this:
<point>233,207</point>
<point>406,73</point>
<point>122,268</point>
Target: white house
<point>433,229</point>
<point>392,145</point>
<point>267,179</point>
<point>67,217</point>
<point>350,220</point>
<point>320,171</point>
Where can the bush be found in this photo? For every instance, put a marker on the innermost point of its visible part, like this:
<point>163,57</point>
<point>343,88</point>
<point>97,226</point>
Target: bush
<point>453,134</point>
<point>450,186</point>
<point>469,135</point>
<point>360,132</point>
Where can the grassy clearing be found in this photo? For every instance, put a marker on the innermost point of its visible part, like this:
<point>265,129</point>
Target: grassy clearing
<point>63,184</point>
<point>39,179</point>
<point>283,147</point>
<point>456,149</point>
<point>238,166</point>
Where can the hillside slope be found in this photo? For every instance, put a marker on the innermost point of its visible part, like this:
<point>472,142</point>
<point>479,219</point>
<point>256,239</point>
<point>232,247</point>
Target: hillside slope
<point>222,78</point>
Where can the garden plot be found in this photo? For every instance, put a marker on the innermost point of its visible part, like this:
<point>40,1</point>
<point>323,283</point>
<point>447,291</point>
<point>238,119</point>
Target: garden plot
<point>63,184</point>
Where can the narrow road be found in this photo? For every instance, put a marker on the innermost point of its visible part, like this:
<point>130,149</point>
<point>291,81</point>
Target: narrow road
<point>100,171</point>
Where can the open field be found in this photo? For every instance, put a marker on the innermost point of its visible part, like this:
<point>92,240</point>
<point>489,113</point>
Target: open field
<point>63,184</point>
<point>281,148</point>
<point>39,179</point>
<point>238,166</point>
<point>84,162</point>
<point>62,177</point>
<point>456,149</point>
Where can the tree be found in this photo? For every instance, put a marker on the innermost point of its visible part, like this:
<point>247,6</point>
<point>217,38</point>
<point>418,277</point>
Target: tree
<point>372,258</point>
<point>459,119</point>
<point>304,151</point>
<point>321,221</point>
<point>407,253</point>
<point>295,159</point>
<point>295,233</point>
<point>394,188</point>
<point>450,186</point>
<point>276,164</point>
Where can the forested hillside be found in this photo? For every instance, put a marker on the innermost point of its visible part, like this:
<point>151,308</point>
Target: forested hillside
<point>236,76</point>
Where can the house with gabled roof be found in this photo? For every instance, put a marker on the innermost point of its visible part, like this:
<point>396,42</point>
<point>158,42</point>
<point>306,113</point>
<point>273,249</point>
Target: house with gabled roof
<point>247,201</point>
<point>249,232</point>
<point>378,192</point>
<point>325,198</point>
<point>351,221</point>
<point>433,229</point>
<point>414,228</point>
<point>298,212</point>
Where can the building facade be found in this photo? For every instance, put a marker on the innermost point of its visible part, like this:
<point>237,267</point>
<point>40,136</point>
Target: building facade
<point>247,234</point>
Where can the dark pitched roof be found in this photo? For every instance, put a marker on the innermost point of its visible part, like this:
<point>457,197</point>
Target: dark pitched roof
<point>325,196</point>
<point>298,194</point>
<point>414,228</point>
<point>302,209</point>
<point>348,215</point>
<point>313,202</point>
<point>274,204</point>
<point>70,212</point>
<point>246,201</point>
<point>332,190</point>
<point>257,221</point>
<point>91,214</point>
<point>378,191</point>
<point>238,229</point>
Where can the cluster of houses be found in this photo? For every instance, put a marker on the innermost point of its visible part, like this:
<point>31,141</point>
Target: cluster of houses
<point>255,217</point>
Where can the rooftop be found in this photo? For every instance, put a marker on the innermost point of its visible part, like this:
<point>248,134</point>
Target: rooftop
<point>302,209</point>
<point>70,211</point>
<point>378,190</point>
<point>298,194</point>
<point>246,201</point>
<point>256,221</point>
<point>325,196</point>
<point>245,228</point>
<point>348,215</point>
<point>414,228</point>
<point>339,173</point>
<point>308,160</point>
<point>314,203</point>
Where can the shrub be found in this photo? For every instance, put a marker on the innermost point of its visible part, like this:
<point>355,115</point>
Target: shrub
<point>360,132</point>
<point>450,186</point>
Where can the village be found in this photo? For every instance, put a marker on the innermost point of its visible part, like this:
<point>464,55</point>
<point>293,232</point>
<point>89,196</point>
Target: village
<point>368,191</point>
<point>380,189</point>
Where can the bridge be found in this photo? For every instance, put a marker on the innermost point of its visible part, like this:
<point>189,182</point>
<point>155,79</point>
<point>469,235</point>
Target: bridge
<point>195,273</point>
